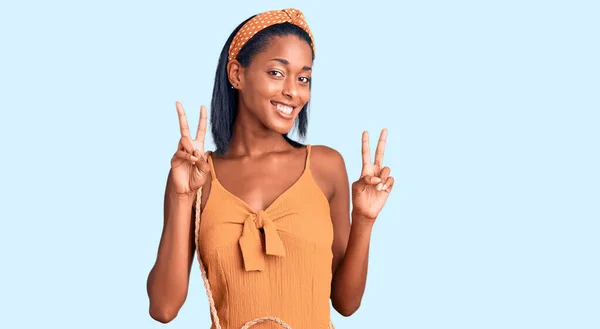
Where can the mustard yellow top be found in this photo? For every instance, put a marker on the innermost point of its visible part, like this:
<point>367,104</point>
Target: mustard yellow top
<point>274,262</point>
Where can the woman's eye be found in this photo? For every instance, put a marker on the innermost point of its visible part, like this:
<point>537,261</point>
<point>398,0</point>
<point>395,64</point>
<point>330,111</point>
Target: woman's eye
<point>276,73</point>
<point>305,79</point>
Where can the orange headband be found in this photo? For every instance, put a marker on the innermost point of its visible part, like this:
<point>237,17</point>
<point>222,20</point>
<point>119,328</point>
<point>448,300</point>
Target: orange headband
<point>264,20</point>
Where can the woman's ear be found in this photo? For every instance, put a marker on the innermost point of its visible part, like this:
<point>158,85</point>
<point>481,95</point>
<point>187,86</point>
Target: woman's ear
<point>235,74</point>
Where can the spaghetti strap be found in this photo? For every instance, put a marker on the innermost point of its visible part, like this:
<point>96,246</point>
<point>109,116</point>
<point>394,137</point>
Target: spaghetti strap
<point>307,164</point>
<point>212,166</point>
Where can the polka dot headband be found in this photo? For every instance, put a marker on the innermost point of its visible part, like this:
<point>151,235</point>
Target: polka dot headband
<point>264,20</point>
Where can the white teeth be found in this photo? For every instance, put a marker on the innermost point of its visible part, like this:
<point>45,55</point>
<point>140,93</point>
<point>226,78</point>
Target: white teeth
<point>285,109</point>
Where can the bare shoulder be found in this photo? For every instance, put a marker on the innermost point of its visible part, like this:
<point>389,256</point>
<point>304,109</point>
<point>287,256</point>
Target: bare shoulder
<point>328,168</point>
<point>327,155</point>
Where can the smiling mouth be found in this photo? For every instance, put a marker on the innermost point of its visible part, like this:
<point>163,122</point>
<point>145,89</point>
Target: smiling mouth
<point>283,109</point>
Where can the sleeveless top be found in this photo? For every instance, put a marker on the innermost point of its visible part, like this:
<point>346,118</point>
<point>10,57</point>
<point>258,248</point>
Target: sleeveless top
<point>269,263</point>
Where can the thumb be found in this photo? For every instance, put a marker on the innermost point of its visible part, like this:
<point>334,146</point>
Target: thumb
<point>370,180</point>
<point>360,185</point>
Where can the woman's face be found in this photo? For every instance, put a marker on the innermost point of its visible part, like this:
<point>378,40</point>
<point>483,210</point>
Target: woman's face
<point>275,86</point>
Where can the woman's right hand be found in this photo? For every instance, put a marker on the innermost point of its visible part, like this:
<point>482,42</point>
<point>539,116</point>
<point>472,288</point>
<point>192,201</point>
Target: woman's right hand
<point>189,166</point>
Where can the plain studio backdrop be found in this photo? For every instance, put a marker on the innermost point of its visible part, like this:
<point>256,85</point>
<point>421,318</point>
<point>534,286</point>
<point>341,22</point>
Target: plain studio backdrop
<point>493,116</point>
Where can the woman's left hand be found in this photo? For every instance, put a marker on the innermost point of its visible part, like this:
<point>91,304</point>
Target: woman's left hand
<point>371,190</point>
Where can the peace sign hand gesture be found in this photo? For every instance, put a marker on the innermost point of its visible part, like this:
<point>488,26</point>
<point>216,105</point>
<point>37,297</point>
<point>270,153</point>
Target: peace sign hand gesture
<point>371,190</point>
<point>189,166</point>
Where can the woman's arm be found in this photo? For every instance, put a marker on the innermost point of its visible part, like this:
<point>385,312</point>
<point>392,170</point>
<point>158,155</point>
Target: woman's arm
<point>350,245</point>
<point>352,239</point>
<point>351,250</point>
<point>169,278</point>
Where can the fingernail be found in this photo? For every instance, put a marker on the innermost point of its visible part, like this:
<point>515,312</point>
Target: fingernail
<point>379,187</point>
<point>194,158</point>
<point>376,180</point>
<point>384,187</point>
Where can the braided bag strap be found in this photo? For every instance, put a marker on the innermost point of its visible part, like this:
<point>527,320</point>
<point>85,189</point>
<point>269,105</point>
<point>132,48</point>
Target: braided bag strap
<point>211,301</point>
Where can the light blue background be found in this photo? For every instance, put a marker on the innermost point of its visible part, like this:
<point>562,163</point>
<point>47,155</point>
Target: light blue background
<point>493,117</point>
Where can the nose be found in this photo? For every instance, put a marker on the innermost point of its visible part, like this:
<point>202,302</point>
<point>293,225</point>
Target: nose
<point>290,88</point>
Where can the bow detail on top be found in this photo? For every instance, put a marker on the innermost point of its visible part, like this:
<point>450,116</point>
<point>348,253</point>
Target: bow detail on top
<point>250,241</point>
<point>295,15</point>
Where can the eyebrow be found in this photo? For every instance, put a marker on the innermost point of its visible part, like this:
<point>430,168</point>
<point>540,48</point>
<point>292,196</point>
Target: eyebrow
<point>285,62</point>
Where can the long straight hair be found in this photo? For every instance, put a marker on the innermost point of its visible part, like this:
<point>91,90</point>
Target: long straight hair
<point>224,101</point>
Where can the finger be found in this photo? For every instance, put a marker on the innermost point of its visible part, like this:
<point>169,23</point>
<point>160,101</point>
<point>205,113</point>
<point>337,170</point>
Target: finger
<point>203,166</point>
<point>385,172</point>
<point>380,148</point>
<point>186,156</point>
<point>200,172</point>
<point>183,125</point>
<point>366,152</point>
<point>185,144</point>
<point>201,133</point>
<point>200,155</point>
<point>389,183</point>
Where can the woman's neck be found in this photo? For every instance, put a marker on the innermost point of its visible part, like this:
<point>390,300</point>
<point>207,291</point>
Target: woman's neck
<point>250,138</point>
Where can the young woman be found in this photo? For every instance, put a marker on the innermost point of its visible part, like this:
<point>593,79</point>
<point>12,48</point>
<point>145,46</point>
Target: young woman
<point>274,232</point>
